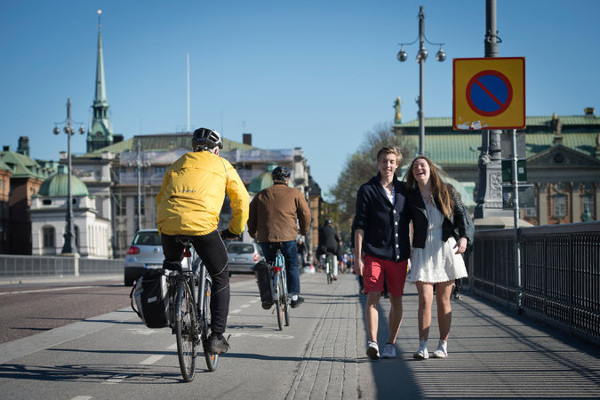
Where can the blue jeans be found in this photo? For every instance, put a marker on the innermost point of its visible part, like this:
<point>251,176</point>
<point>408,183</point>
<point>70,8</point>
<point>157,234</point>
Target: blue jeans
<point>290,253</point>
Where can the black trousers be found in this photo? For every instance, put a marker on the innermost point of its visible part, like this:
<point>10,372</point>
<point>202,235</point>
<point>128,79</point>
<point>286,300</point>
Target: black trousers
<point>212,251</point>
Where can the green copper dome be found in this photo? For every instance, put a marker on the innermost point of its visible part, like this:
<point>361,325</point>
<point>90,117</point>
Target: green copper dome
<point>57,185</point>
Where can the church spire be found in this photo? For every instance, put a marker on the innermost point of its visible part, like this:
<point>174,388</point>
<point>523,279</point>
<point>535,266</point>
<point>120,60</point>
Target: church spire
<point>100,133</point>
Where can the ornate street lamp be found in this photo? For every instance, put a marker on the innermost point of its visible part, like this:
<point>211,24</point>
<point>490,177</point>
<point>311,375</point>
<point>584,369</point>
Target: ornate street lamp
<point>421,57</point>
<point>69,247</point>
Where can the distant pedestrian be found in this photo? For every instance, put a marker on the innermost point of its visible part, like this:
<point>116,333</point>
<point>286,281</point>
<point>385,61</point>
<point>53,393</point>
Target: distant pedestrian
<point>381,246</point>
<point>436,211</point>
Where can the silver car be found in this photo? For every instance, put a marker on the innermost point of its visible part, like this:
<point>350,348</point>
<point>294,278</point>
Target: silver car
<point>145,252</point>
<point>243,256</point>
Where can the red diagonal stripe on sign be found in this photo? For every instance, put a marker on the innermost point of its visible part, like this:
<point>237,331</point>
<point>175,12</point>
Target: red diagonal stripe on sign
<point>489,93</point>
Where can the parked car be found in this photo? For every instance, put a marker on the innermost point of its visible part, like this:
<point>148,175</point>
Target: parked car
<point>145,252</point>
<point>243,256</point>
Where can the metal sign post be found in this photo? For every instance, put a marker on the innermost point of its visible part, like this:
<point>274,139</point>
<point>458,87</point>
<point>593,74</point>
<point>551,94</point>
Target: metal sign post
<point>515,184</point>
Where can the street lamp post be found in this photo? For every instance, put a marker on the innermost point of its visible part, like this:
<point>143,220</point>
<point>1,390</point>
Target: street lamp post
<point>421,57</point>
<point>69,247</point>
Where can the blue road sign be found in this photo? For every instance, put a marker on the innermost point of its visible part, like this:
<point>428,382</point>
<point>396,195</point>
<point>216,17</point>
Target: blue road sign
<point>489,93</point>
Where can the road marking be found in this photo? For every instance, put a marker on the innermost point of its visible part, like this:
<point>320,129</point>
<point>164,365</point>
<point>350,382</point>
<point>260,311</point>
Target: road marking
<point>235,311</point>
<point>262,335</point>
<point>142,331</point>
<point>114,380</point>
<point>46,290</point>
<point>81,398</point>
<point>172,347</point>
<point>151,360</point>
<point>245,305</point>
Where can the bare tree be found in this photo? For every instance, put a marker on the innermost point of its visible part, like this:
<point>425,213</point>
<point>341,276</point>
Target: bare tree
<point>362,165</point>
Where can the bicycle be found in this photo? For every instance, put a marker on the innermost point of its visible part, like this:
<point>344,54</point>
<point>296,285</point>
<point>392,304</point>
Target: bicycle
<point>279,288</point>
<point>190,313</point>
<point>329,267</point>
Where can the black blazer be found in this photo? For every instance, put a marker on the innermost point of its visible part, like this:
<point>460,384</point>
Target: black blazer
<point>385,225</point>
<point>418,215</point>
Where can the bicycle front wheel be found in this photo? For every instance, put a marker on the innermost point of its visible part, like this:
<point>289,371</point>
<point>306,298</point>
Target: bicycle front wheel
<point>185,331</point>
<point>211,358</point>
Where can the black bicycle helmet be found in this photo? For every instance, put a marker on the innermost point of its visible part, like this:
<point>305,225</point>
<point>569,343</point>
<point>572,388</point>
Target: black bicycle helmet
<point>206,139</point>
<point>280,174</point>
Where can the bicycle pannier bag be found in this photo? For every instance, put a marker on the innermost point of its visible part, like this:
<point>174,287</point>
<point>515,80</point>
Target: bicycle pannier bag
<point>150,298</point>
<point>262,272</point>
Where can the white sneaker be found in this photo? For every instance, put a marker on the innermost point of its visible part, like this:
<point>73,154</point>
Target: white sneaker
<point>373,350</point>
<point>442,350</point>
<point>422,353</point>
<point>389,351</point>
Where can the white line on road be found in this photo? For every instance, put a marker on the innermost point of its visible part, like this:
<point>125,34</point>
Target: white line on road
<point>81,398</point>
<point>114,380</point>
<point>151,360</point>
<point>45,290</point>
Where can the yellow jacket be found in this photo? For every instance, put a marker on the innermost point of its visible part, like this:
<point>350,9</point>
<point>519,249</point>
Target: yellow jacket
<point>192,195</point>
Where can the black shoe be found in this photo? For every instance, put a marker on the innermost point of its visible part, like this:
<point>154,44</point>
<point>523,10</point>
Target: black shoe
<point>297,302</point>
<point>217,344</point>
<point>266,305</point>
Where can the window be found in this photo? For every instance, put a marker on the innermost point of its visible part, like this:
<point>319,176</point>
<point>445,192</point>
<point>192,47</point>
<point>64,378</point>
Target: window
<point>143,206</point>
<point>587,207</point>
<point>121,206</point>
<point>159,170</point>
<point>48,237</point>
<point>560,206</point>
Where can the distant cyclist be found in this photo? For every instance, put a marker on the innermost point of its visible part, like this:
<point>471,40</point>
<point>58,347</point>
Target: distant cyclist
<point>189,204</point>
<point>275,214</point>
<point>329,243</point>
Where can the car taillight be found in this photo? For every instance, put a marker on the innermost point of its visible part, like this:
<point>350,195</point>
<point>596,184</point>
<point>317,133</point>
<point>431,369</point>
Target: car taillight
<point>187,253</point>
<point>133,250</point>
<point>255,257</point>
<point>276,268</point>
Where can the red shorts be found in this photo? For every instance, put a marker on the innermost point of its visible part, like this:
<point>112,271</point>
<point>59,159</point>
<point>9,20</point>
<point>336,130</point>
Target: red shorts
<point>378,270</point>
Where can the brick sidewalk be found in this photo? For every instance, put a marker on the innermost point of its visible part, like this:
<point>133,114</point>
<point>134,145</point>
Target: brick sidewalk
<point>493,353</point>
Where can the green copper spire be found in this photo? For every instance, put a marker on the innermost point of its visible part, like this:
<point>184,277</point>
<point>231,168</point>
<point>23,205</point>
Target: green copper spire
<point>100,133</point>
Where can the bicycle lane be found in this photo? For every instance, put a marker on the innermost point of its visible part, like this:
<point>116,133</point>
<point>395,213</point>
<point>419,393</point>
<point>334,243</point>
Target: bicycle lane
<point>97,357</point>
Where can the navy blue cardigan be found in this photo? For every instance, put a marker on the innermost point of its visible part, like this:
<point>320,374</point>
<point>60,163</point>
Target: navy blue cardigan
<point>385,225</point>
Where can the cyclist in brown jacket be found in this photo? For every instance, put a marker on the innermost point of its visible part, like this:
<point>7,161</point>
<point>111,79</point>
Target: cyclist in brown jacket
<point>277,214</point>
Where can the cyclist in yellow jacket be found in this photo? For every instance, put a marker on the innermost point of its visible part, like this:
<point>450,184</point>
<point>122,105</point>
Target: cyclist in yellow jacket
<point>189,204</point>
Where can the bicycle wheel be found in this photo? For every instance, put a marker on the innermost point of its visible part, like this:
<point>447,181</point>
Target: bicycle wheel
<point>211,359</point>
<point>185,331</point>
<point>278,302</point>
<point>286,300</point>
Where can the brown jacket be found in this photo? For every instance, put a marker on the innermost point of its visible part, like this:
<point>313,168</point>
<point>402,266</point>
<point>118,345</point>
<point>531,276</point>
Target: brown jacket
<point>273,214</point>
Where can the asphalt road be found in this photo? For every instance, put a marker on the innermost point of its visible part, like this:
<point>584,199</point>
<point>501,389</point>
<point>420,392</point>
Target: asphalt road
<point>28,308</point>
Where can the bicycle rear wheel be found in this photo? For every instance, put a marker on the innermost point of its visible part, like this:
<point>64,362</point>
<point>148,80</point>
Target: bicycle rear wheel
<point>286,300</point>
<point>278,303</point>
<point>185,331</point>
<point>211,358</point>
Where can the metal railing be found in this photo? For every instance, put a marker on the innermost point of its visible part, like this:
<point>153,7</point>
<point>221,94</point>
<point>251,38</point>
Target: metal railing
<point>560,274</point>
<point>36,266</point>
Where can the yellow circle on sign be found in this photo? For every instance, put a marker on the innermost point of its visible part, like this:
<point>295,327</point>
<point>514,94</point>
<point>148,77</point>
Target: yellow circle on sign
<point>488,93</point>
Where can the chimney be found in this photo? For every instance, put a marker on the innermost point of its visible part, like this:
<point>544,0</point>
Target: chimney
<point>6,148</point>
<point>247,139</point>
<point>589,111</point>
<point>23,146</point>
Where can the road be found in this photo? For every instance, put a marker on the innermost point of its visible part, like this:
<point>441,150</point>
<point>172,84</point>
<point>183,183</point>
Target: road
<point>34,307</point>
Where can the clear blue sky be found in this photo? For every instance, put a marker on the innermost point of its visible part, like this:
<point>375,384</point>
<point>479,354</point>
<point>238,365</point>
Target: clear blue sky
<point>312,74</point>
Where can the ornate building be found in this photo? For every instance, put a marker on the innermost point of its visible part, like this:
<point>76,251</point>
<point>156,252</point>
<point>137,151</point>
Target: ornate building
<point>562,156</point>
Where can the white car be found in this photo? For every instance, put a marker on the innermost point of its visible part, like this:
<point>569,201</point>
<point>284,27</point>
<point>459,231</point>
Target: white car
<point>242,257</point>
<point>145,252</point>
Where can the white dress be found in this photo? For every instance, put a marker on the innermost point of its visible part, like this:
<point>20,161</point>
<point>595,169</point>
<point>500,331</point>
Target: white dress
<point>437,262</point>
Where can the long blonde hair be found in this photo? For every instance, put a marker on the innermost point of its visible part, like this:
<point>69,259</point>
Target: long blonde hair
<point>440,190</point>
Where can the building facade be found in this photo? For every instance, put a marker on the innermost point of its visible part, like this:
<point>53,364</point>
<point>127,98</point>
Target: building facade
<point>562,156</point>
